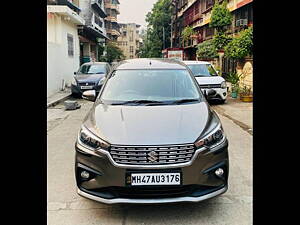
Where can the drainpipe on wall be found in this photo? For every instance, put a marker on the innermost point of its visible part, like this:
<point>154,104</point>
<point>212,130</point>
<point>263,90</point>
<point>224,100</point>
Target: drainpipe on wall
<point>63,85</point>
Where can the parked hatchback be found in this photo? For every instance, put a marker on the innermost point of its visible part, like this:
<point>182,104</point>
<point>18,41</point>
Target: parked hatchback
<point>208,78</point>
<point>151,137</point>
<point>90,76</point>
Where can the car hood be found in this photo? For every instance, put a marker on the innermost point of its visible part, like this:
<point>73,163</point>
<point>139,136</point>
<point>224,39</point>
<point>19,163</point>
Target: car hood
<point>149,125</point>
<point>210,80</point>
<point>89,77</point>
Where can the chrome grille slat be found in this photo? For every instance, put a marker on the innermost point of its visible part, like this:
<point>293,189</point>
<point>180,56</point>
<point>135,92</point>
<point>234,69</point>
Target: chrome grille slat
<point>142,155</point>
<point>210,85</point>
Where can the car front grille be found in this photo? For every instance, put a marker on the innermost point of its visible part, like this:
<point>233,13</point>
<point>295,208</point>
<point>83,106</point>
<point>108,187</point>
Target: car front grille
<point>86,83</point>
<point>210,85</point>
<point>152,155</point>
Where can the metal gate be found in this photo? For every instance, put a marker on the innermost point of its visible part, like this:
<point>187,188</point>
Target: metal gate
<point>229,66</point>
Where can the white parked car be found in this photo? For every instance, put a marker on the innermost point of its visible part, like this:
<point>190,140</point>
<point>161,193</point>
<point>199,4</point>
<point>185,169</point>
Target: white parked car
<point>208,78</point>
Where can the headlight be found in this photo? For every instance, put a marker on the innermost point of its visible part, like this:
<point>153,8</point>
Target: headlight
<point>101,81</point>
<point>74,82</point>
<point>87,138</point>
<point>223,84</point>
<point>212,139</point>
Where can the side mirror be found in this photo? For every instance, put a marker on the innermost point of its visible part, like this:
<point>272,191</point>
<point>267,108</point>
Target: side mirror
<point>89,95</point>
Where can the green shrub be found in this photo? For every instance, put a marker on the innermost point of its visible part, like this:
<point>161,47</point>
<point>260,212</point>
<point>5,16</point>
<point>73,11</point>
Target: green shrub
<point>241,45</point>
<point>207,49</point>
<point>220,16</point>
<point>220,40</point>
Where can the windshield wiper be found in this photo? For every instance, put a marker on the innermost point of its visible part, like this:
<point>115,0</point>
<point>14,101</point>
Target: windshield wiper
<point>142,101</point>
<point>185,100</point>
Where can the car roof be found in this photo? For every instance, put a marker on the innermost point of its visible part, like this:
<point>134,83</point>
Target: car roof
<point>150,63</point>
<point>190,62</point>
<point>89,63</point>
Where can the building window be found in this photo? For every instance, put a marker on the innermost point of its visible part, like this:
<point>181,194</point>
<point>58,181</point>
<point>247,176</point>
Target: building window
<point>131,49</point>
<point>70,45</point>
<point>131,56</point>
<point>131,36</point>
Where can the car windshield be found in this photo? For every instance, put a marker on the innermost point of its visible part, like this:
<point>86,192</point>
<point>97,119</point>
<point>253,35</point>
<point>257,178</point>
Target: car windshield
<point>92,69</point>
<point>203,70</point>
<point>150,87</point>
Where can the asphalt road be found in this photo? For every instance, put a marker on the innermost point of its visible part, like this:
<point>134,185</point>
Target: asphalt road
<point>66,207</point>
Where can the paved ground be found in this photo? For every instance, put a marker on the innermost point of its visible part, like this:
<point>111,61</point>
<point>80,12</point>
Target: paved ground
<point>66,207</point>
<point>53,99</point>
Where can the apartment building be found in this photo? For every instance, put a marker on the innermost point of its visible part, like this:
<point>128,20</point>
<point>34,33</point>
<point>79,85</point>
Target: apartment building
<point>111,21</point>
<point>63,48</point>
<point>129,40</point>
<point>197,13</point>
<point>93,33</point>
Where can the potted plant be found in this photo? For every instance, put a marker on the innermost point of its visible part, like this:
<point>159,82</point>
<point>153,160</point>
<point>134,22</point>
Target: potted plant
<point>246,94</point>
<point>235,90</point>
<point>234,78</point>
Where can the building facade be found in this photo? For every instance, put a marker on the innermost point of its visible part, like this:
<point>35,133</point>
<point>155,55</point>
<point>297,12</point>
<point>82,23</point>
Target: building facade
<point>197,13</point>
<point>63,49</point>
<point>93,33</point>
<point>129,40</point>
<point>111,21</point>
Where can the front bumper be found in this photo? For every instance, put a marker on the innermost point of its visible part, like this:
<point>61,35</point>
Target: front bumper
<point>108,179</point>
<point>152,201</point>
<point>221,93</point>
<point>77,90</point>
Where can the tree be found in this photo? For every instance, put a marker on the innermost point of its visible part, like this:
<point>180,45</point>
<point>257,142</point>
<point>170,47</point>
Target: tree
<point>241,45</point>
<point>113,52</point>
<point>158,19</point>
<point>187,33</point>
<point>220,17</point>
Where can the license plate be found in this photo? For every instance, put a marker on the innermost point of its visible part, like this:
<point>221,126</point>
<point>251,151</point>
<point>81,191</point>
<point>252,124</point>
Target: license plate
<point>155,179</point>
<point>86,87</point>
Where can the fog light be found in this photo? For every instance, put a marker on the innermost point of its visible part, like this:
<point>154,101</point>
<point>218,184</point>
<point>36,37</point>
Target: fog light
<point>85,174</point>
<point>219,172</point>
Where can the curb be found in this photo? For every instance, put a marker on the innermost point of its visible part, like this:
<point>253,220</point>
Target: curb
<point>55,102</point>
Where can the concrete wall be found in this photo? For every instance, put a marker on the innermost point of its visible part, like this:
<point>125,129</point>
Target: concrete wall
<point>59,65</point>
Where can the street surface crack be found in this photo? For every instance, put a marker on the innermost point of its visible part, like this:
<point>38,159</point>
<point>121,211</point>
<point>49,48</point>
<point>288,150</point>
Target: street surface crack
<point>242,125</point>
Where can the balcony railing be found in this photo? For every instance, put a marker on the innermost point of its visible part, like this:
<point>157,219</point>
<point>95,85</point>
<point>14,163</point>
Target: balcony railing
<point>112,6</point>
<point>97,5</point>
<point>113,32</point>
<point>71,5</point>
<point>112,19</point>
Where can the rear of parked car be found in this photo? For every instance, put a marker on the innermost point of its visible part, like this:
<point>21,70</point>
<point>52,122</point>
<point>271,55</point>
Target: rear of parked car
<point>208,78</point>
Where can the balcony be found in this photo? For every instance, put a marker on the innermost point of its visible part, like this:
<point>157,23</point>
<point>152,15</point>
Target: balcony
<point>68,14</point>
<point>112,19</point>
<point>112,6</point>
<point>97,6</point>
<point>71,5</point>
<point>113,32</point>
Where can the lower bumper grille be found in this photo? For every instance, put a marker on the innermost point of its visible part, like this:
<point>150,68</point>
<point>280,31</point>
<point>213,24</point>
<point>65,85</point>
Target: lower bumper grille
<point>152,155</point>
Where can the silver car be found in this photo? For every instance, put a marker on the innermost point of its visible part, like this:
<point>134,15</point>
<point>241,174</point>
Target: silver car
<point>151,137</point>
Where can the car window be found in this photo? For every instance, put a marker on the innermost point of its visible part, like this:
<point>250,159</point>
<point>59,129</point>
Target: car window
<point>154,85</point>
<point>92,69</point>
<point>203,70</point>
